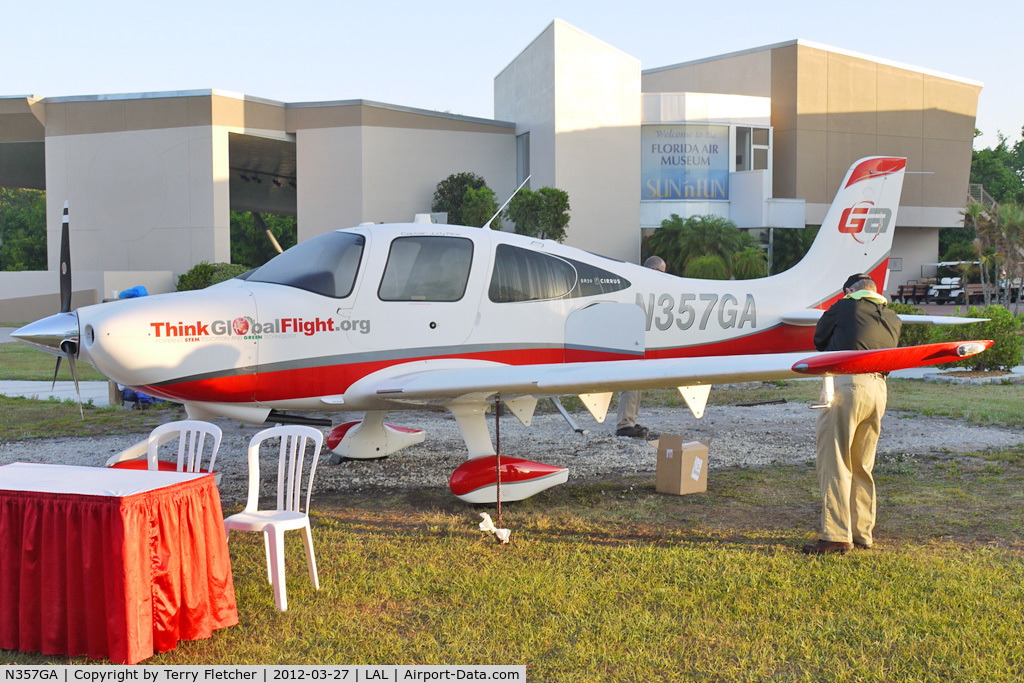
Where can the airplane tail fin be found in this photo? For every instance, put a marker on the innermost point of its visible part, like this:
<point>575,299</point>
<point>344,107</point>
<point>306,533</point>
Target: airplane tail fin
<point>856,235</point>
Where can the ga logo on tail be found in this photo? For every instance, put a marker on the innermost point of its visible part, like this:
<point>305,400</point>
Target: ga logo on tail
<point>859,218</point>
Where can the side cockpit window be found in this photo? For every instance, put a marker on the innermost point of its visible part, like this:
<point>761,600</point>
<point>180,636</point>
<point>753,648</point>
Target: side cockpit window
<point>326,264</point>
<point>426,268</point>
<point>526,275</point>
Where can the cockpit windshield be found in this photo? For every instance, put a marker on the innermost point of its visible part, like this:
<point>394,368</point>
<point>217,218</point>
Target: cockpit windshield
<point>326,265</point>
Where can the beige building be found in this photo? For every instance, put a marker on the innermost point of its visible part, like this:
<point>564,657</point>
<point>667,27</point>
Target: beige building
<point>830,107</point>
<point>151,178</point>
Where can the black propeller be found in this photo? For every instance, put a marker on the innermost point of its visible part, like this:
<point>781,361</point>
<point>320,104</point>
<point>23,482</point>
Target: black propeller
<point>68,346</point>
<point>65,263</point>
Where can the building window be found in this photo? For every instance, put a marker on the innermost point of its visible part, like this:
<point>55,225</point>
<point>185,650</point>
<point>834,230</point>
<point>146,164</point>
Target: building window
<point>522,158</point>
<point>742,149</point>
<point>752,146</point>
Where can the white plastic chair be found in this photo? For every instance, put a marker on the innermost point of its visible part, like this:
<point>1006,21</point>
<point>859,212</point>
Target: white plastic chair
<point>192,438</point>
<point>289,514</point>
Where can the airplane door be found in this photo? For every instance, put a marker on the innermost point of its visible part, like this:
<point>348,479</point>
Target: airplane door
<point>605,331</point>
<point>427,293</point>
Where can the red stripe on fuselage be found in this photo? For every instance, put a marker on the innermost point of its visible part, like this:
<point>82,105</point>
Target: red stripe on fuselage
<point>589,355</point>
<point>781,339</point>
<point>336,379</point>
<point>233,389</point>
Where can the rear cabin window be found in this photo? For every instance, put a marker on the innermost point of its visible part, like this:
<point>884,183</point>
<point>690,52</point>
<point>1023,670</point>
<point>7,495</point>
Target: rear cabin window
<point>426,268</point>
<point>525,275</point>
<point>326,264</point>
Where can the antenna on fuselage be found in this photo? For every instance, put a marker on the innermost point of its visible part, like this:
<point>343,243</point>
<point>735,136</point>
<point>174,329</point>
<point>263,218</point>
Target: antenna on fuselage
<point>487,225</point>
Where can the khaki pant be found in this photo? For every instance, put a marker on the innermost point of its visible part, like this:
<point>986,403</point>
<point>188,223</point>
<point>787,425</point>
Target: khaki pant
<point>629,409</point>
<point>847,437</point>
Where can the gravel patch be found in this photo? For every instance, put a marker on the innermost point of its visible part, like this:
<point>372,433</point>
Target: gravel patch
<point>745,436</point>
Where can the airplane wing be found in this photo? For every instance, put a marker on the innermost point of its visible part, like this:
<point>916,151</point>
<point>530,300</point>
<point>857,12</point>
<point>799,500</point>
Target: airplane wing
<point>808,317</point>
<point>443,384</point>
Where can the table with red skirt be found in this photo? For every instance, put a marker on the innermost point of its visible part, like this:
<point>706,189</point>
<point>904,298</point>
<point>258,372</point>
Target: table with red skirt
<point>110,563</point>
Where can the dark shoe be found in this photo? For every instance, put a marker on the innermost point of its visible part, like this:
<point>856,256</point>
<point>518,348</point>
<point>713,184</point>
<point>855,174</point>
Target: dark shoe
<point>861,546</point>
<point>823,547</point>
<point>636,431</point>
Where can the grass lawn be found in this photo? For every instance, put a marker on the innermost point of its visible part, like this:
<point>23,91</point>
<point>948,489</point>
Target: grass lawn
<point>21,362</point>
<point>612,581</point>
<point>26,418</point>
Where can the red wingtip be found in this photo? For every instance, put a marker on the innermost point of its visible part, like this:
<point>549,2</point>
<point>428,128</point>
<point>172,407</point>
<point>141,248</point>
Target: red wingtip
<point>888,360</point>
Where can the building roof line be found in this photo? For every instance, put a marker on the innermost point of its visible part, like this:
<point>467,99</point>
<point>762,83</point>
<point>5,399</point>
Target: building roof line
<point>400,108</point>
<point>559,22</point>
<point>260,100</point>
<point>826,48</point>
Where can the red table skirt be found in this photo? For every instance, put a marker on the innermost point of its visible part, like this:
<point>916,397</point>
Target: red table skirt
<point>119,578</point>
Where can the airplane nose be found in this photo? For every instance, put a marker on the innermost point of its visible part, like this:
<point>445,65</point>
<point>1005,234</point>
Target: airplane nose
<point>51,334</point>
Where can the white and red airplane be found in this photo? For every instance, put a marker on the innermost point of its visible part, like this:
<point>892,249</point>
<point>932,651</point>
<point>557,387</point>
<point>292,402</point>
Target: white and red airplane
<point>381,318</point>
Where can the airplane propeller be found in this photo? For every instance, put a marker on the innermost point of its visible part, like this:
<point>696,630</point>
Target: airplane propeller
<point>58,334</point>
<point>68,346</point>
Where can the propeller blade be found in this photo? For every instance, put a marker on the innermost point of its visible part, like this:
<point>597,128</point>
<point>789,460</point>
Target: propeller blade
<point>65,264</point>
<point>56,369</point>
<point>74,376</point>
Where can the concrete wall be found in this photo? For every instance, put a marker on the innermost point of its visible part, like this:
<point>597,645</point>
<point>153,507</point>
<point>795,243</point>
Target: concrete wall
<point>914,246</point>
<point>524,92</point>
<point>402,167</point>
<point>364,162</point>
<point>330,193</point>
<point>580,101</point>
<point>41,290</point>
<point>140,200</point>
<point>146,178</point>
<point>831,108</point>
<point>740,73</point>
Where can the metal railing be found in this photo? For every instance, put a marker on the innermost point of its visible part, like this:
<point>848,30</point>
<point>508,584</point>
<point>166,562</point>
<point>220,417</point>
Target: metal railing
<point>976,193</point>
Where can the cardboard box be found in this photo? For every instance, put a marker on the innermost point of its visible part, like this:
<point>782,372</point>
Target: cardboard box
<point>682,467</point>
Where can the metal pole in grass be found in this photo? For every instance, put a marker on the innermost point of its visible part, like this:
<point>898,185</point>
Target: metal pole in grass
<point>497,449</point>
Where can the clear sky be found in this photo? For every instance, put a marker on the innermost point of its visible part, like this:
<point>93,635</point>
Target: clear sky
<point>444,55</point>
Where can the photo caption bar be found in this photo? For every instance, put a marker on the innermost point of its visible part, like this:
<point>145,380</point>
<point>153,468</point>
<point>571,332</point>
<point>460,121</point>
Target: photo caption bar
<point>142,673</point>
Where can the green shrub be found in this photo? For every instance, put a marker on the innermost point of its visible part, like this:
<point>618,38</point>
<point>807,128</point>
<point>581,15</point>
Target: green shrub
<point>1002,327</point>
<point>750,263</point>
<point>204,274</point>
<point>707,267</point>
<point>913,334</point>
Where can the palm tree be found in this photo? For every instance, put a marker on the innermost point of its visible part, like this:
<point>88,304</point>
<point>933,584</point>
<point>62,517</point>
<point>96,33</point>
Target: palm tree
<point>986,247</point>
<point>750,263</point>
<point>707,267</point>
<point>665,243</point>
<point>789,246</point>
<point>1011,222</point>
<point>679,241</point>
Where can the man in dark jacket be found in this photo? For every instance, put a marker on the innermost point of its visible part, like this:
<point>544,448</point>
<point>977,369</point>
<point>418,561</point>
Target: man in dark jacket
<point>848,429</point>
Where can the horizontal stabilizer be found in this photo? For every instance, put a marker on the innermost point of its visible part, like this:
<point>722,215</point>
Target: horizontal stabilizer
<point>808,317</point>
<point>938,319</point>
